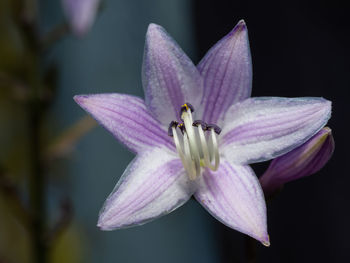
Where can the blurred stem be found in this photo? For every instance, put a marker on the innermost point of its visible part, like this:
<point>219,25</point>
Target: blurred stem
<point>62,223</point>
<point>30,11</point>
<point>250,250</point>
<point>35,114</point>
<point>55,35</point>
<point>66,141</point>
<point>10,191</point>
<point>37,192</point>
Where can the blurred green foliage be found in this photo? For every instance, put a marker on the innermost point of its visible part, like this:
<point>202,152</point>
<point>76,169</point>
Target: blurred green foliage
<point>11,44</point>
<point>14,238</point>
<point>13,92</point>
<point>26,90</point>
<point>68,247</point>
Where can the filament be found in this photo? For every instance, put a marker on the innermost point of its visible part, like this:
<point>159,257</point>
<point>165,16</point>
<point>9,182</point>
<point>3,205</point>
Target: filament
<point>194,149</point>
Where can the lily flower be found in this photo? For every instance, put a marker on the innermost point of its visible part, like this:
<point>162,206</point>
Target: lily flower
<point>304,160</point>
<point>196,133</point>
<point>80,14</point>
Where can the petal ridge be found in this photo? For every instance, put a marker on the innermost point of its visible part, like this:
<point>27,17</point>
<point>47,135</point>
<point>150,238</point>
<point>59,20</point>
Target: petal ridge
<point>154,184</point>
<point>234,197</point>
<point>128,119</point>
<point>169,77</point>
<point>264,128</point>
<point>227,73</point>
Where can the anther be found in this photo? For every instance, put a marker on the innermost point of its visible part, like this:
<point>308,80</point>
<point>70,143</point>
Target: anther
<point>182,128</point>
<point>201,123</point>
<point>170,129</point>
<point>185,107</point>
<point>216,128</point>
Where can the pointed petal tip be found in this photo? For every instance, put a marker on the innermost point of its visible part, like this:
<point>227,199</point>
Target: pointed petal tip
<point>156,37</point>
<point>85,99</point>
<point>154,29</point>
<point>102,223</point>
<point>152,26</point>
<point>241,26</point>
<point>103,227</point>
<point>329,135</point>
<point>262,236</point>
<point>266,241</point>
<point>79,98</point>
<point>327,130</point>
<point>241,23</point>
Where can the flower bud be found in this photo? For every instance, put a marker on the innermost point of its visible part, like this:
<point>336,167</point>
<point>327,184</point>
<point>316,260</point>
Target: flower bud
<point>80,14</point>
<point>303,161</point>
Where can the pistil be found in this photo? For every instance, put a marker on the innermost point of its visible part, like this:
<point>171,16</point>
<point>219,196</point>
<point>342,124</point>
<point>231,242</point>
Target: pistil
<point>190,135</point>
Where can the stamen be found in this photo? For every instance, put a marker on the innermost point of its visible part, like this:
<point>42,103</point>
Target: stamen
<point>184,159</point>
<point>201,123</point>
<point>192,157</point>
<point>216,128</point>
<point>187,117</point>
<point>215,148</point>
<point>193,171</point>
<point>207,157</point>
<point>185,108</point>
<point>204,146</point>
<point>170,129</point>
<point>182,128</point>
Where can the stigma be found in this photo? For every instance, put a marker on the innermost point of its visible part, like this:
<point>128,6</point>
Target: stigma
<point>196,142</point>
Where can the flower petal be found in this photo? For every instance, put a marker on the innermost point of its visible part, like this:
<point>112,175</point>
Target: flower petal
<point>81,14</point>
<point>154,184</point>
<point>128,119</point>
<point>305,160</point>
<point>227,73</point>
<point>169,77</point>
<point>259,129</point>
<point>233,195</point>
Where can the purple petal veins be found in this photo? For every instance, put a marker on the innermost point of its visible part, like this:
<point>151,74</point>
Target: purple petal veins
<point>260,129</point>
<point>233,196</point>
<point>128,119</point>
<point>154,184</point>
<point>227,73</point>
<point>169,77</point>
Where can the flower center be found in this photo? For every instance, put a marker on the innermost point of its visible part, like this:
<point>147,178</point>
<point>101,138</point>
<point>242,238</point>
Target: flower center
<point>196,142</point>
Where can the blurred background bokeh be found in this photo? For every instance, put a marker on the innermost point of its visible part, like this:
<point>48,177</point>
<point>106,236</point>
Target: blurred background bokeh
<point>57,167</point>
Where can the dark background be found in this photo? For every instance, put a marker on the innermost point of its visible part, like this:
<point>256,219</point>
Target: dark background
<point>299,48</point>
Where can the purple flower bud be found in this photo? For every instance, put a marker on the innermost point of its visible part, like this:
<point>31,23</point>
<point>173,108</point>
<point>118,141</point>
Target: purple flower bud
<point>303,161</point>
<point>80,14</point>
